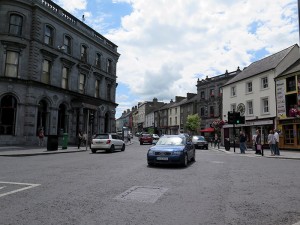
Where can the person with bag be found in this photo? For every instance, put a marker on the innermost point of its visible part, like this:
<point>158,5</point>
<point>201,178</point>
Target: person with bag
<point>258,145</point>
<point>276,148</point>
<point>272,142</point>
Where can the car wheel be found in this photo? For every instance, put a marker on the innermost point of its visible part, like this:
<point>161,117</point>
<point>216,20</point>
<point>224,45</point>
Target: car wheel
<point>141,143</point>
<point>112,149</point>
<point>93,150</point>
<point>207,147</point>
<point>185,161</point>
<point>123,148</point>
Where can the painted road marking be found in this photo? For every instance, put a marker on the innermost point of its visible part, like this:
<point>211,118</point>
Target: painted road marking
<point>27,186</point>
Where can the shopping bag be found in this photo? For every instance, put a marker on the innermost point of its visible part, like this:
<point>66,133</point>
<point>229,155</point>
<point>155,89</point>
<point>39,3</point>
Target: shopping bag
<point>258,147</point>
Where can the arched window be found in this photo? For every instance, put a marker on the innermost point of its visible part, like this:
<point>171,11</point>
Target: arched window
<point>67,44</point>
<point>62,124</point>
<point>15,24</point>
<point>42,117</point>
<point>49,35</point>
<point>83,52</point>
<point>98,60</point>
<point>8,110</point>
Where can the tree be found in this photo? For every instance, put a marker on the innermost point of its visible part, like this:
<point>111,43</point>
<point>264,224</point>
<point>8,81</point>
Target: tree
<point>193,123</point>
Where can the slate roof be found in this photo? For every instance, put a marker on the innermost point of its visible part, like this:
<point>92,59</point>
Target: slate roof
<point>295,67</point>
<point>260,66</point>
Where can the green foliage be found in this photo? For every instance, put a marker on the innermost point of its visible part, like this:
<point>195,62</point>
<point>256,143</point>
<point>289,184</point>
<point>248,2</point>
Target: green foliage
<point>151,130</point>
<point>193,123</point>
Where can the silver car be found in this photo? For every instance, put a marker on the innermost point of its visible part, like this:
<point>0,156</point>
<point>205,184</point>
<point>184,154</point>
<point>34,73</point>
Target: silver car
<point>200,142</point>
<point>108,142</point>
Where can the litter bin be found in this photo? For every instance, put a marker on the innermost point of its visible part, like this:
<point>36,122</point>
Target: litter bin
<point>227,144</point>
<point>52,143</point>
<point>65,141</point>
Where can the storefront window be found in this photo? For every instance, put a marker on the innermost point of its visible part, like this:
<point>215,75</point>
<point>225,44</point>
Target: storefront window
<point>288,135</point>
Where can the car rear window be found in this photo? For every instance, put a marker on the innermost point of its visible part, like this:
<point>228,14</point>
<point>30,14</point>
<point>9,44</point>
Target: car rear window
<point>102,136</point>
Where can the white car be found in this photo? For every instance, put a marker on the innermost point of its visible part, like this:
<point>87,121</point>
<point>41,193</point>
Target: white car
<point>108,142</point>
<point>155,138</point>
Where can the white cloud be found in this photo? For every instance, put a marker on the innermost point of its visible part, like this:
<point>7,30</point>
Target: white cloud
<point>72,6</point>
<point>163,44</point>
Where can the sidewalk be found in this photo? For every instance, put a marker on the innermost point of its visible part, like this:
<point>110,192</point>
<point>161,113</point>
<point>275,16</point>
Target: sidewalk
<point>15,151</point>
<point>284,154</point>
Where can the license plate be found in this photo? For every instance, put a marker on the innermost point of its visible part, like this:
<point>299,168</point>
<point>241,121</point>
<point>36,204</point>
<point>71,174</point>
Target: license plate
<point>162,158</point>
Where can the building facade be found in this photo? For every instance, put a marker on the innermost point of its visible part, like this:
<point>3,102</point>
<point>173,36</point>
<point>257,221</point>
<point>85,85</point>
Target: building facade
<point>252,93</point>
<point>55,72</point>
<point>288,107</point>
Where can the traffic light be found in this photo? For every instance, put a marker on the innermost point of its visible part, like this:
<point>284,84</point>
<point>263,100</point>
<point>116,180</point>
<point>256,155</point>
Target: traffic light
<point>235,118</point>
<point>91,118</point>
<point>231,117</point>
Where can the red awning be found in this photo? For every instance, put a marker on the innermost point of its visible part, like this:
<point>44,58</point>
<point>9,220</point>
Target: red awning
<point>208,130</point>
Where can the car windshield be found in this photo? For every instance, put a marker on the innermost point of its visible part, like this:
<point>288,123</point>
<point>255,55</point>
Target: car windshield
<point>199,138</point>
<point>171,141</point>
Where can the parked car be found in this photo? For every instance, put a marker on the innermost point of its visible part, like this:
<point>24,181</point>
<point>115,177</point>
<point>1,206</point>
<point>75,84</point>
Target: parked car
<point>172,149</point>
<point>200,142</point>
<point>146,138</point>
<point>108,142</point>
<point>155,138</point>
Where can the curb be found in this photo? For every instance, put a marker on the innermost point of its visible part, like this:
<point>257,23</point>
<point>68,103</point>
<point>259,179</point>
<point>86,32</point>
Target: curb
<point>265,156</point>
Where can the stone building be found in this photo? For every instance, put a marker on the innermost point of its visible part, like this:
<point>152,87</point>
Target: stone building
<point>55,72</point>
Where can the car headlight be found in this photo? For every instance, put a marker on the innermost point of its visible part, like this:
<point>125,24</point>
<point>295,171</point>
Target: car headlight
<point>151,152</point>
<point>177,152</point>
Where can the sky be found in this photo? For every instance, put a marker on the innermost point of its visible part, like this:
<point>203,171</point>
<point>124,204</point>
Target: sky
<point>167,45</point>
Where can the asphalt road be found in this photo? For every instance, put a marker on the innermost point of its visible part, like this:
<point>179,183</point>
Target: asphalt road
<point>119,188</point>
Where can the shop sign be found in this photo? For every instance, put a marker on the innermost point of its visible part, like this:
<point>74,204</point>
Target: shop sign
<point>290,121</point>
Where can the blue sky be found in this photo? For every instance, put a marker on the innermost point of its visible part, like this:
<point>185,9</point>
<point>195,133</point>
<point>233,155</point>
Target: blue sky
<point>166,45</point>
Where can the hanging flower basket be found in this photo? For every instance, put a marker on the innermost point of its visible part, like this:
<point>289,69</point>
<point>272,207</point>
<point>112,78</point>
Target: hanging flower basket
<point>218,124</point>
<point>293,112</point>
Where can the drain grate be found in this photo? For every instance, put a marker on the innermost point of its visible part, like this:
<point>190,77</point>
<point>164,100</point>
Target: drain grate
<point>142,194</point>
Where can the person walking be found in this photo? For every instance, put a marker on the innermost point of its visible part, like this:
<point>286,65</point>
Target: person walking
<point>276,147</point>
<point>80,137</point>
<point>217,141</point>
<point>41,137</point>
<point>254,142</point>
<point>258,146</point>
<point>242,142</point>
<point>271,142</point>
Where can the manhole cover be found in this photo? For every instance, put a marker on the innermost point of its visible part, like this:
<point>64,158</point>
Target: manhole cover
<point>142,194</point>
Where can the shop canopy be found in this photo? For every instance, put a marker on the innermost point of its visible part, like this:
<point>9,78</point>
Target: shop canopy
<point>208,130</point>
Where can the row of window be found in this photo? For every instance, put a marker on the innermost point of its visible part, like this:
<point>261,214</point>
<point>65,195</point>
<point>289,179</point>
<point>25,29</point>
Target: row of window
<point>11,70</point>
<point>249,107</point>
<point>249,86</point>
<point>15,28</point>
<point>211,93</point>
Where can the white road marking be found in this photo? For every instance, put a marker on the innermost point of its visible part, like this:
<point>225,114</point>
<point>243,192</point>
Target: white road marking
<point>28,186</point>
<point>2,187</point>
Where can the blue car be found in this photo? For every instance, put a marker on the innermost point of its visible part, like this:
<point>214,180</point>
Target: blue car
<point>172,149</point>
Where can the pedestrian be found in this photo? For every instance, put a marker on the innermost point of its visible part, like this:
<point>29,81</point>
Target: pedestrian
<point>80,138</point>
<point>129,138</point>
<point>258,146</point>
<point>276,147</point>
<point>41,137</point>
<point>242,142</point>
<point>216,141</point>
<point>253,142</point>
<point>271,142</point>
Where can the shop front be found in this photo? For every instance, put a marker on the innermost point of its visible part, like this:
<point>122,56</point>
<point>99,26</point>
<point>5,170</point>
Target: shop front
<point>289,135</point>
